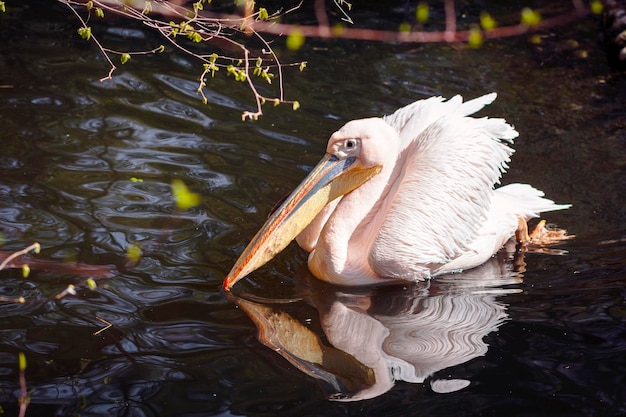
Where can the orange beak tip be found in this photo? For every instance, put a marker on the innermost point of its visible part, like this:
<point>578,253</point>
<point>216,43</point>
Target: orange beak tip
<point>228,282</point>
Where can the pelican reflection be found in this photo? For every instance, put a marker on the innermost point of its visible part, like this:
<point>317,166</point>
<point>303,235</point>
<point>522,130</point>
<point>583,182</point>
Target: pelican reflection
<point>368,339</point>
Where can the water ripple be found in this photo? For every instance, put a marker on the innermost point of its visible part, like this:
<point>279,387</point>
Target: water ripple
<point>189,88</point>
<point>173,109</point>
<point>123,81</point>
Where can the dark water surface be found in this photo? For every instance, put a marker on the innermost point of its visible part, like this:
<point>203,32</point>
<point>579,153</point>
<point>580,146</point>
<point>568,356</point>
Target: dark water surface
<point>532,336</point>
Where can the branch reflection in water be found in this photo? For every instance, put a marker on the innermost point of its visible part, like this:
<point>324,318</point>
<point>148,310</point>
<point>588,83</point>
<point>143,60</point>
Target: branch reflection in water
<point>371,338</point>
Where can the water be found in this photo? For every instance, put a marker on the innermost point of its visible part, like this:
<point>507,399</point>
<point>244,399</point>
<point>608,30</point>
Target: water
<point>538,335</point>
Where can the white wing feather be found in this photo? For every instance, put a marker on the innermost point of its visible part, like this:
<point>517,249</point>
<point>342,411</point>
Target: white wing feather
<point>527,201</point>
<point>443,185</point>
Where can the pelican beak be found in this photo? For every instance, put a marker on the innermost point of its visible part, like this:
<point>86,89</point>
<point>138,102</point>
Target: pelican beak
<point>330,179</point>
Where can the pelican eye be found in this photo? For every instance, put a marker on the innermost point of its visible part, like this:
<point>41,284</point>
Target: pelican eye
<point>347,147</point>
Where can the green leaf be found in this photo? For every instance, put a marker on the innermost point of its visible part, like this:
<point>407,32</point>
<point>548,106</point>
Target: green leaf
<point>486,21</point>
<point>295,105</point>
<point>22,362</point>
<point>85,33</point>
<point>239,74</point>
<point>421,13</point>
<point>596,6</point>
<point>404,27</point>
<point>89,5</point>
<point>133,252</point>
<point>184,198</point>
<point>99,12</point>
<point>161,49</point>
<point>267,76</point>
<point>91,283</point>
<point>195,37</point>
<point>295,40</point>
<point>263,15</point>
<point>213,68</point>
<point>135,179</point>
<point>147,8</point>
<point>25,271</point>
<point>2,7</point>
<point>475,39</point>
<point>338,30</point>
<point>302,66</point>
<point>530,17</point>
<point>124,58</point>
<point>535,39</point>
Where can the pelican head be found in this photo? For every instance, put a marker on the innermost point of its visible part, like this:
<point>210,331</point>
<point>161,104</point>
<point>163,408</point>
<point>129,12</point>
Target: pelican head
<point>352,158</point>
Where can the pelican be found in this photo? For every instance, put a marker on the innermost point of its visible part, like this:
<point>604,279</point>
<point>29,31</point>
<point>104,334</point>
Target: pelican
<point>408,196</point>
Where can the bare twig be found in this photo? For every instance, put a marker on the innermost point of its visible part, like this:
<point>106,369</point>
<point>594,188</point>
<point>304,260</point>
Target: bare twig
<point>95,40</point>
<point>93,271</point>
<point>108,325</point>
<point>322,18</point>
<point>34,247</point>
<point>449,34</point>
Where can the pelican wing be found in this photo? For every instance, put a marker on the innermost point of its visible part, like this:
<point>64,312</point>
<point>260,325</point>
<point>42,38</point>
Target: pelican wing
<point>443,184</point>
<point>412,119</point>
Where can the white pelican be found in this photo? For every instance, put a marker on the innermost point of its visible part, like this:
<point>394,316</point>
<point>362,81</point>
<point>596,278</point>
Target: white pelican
<point>403,197</point>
